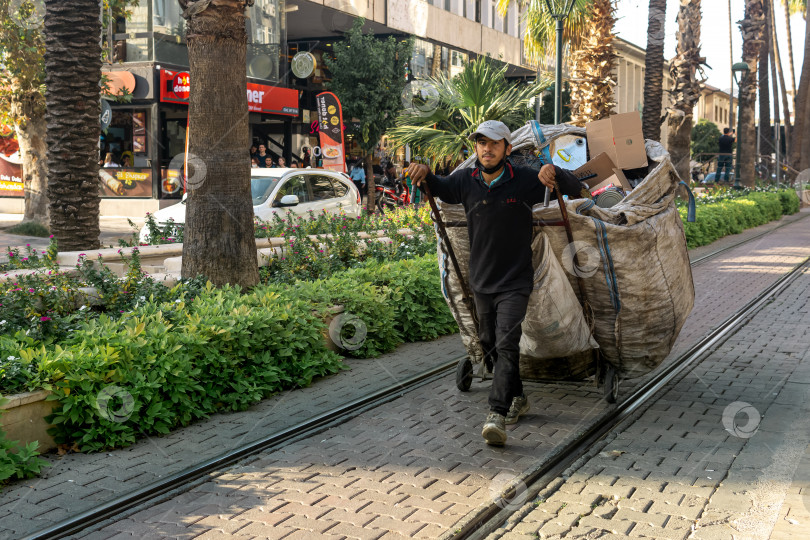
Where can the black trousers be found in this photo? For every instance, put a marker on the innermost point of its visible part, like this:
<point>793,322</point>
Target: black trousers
<point>723,162</point>
<point>499,318</point>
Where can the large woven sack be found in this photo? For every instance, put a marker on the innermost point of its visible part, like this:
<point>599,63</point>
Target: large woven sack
<point>555,325</point>
<point>633,261</point>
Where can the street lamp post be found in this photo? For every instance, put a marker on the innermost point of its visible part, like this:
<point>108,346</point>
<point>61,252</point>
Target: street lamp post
<point>559,11</point>
<point>740,71</point>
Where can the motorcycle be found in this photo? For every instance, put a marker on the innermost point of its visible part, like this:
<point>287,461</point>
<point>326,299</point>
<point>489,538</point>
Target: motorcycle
<point>391,194</point>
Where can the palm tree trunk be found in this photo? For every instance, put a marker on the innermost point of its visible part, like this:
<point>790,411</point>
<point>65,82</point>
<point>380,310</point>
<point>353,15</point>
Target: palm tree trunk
<point>686,91</point>
<point>654,70</point>
<point>777,115</point>
<point>765,133</point>
<point>752,28</point>
<point>731,115</point>
<point>800,151</point>
<point>28,111</point>
<point>371,186</point>
<point>219,241</point>
<point>592,91</point>
<point>778,64</point>
<point>790,52</point>
<point>436,64</point>
<point>72,74</point>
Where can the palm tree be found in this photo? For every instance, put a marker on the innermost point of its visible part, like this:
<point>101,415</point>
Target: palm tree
<point>539,39</point>
<point>766,142</point>
<point>593,66</point>
<point>800,151</point>
<point>72,75</point>
<point>684,69</point>
<point>776,59</point>
<point>480,92</point>
<point>752,28</point>
<point>791,8</point>
<point>654,70</point>
<point>219,241</point>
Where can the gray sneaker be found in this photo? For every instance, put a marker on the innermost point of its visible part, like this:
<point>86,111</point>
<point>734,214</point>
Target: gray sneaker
<point>520,405</point>
<point>494,431</point>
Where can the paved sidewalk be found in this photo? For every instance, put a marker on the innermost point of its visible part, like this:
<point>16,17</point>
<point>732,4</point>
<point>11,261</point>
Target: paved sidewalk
<point>112,229</point>
<point>77,481</point>
<point>724,453</point>
<point>417,466</point>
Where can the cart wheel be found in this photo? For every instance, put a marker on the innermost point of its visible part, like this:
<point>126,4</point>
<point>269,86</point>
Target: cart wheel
<point>611,383</point>
<point>464,374</point>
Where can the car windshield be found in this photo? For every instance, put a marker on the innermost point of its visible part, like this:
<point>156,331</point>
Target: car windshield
<point>261,187</point>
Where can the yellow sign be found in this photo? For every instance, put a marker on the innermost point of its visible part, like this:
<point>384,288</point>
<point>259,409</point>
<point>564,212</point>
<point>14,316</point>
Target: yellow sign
<point>331,109</point>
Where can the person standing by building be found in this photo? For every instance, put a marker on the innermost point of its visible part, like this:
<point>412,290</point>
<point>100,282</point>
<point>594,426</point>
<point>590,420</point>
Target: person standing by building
<point>725,149</point>
<point>305,158</point>
<point>109,161</point>
<point>262,156</point>
<point>498,200</point>
<point>358,176</point>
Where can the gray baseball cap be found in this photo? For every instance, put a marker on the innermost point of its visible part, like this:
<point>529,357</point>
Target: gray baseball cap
<point>494,130</point>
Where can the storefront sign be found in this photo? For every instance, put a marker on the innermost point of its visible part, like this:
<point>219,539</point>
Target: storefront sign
<point>106,114</point>
<point>115,182</point>
<point>330,118</point>
<point>11,182</point>
<point>262,98</point>
<point>303,64</point>
<point>171,182</point>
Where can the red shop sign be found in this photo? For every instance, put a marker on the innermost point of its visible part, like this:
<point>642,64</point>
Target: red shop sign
<point>263,98</point>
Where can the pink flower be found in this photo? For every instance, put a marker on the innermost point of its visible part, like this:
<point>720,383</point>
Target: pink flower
<point>43,319</point>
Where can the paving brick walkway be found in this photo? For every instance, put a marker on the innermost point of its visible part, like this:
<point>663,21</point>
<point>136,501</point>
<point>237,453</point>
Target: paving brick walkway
<point>417,466</point>
<point>78,482</point>
<point>724,453</point>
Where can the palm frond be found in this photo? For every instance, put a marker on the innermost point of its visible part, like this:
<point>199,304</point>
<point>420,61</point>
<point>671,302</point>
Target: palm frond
<point>480,92</point>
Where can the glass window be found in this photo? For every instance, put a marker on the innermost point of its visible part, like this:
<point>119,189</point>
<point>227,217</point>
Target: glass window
<point>169,29</point>
<point>321,188</point>
<point>264,39</point>
<point>295,185</point>
<point>261,187</point>
<point>340,188</point>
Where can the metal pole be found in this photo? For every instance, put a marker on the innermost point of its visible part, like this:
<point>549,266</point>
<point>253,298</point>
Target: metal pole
<point>537,100</point>
<point>558,74</point>
<point>777,136</point>
<point>739,133</point>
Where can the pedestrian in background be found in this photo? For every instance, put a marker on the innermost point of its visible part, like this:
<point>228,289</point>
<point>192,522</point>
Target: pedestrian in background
<point>358,176</point>
<point>262,156</point>
<point>725,148</point>
<point>498,200</point>
<point>282,163</point>
<point>109,161</point>
<point>306,161</point>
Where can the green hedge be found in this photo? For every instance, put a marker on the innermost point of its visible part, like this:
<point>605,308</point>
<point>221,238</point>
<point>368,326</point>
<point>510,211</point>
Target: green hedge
<point>167,364</point>
<point>732,216</point>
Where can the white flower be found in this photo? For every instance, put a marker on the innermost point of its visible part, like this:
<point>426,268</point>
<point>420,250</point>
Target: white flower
<point>177,301</point>
<point>3,321</point>
<point>82,308</point>
<point>142,298</point>
<point>12,358</point>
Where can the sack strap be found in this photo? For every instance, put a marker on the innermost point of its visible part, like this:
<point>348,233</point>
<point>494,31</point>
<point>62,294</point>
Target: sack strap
<point>690,213</point>
<point>542,143</point>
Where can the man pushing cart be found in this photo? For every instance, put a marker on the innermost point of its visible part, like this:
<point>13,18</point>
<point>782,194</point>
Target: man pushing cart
<point>498,199</point>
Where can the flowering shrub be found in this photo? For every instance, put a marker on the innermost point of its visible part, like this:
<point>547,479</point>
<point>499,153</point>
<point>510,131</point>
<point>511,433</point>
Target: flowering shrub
<point>32,258</point>
<point>338,245</point>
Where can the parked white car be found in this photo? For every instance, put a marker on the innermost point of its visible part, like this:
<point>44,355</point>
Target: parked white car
<point>282,190</point>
